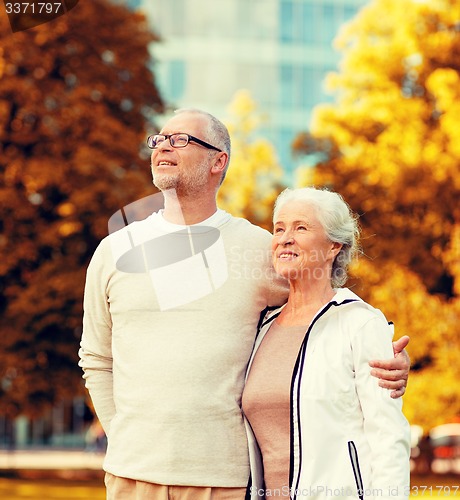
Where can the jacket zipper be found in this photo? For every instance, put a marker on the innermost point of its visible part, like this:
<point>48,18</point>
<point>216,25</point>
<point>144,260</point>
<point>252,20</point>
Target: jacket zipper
<point>353,452</point>
<point>298,367</point>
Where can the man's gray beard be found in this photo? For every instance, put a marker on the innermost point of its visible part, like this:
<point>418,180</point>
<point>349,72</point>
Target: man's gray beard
<point>188,185</point>
<point>164,181</point>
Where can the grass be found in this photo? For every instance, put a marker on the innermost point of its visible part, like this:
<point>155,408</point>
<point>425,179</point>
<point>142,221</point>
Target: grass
<point>37,489</point>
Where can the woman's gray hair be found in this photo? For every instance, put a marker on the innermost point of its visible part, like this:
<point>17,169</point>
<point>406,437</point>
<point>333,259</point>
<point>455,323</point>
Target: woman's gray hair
<point>336,218</point>
<point>216,134</point>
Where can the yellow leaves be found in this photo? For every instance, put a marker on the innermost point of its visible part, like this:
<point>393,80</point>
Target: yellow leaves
<point>305,176</point>
<point>431,400</point>
<point>450,125</point>
<point>242,104</point>
<point>385,282</point>
<point>246,120</point>
<point>385,28</point>
<point>254,174</point>
<point>251,179</point>
<point>444,84</point>
<point>431,151</point>
<point>395,122</point>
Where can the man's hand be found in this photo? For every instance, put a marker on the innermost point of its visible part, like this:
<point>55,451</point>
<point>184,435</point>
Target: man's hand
<point>393,373</point>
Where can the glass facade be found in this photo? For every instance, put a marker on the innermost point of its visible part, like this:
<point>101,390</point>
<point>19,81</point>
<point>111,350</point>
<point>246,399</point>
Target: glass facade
<point>132,4</point>
<point>280,50</point>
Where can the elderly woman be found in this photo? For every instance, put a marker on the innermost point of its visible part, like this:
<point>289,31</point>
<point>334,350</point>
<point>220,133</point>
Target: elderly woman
<point>318,424</point>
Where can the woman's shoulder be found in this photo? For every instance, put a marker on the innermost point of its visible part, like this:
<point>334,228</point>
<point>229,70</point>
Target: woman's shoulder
<point>356,309</point>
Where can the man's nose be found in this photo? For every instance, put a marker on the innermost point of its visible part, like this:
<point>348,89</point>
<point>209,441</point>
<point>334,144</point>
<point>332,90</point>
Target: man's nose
<point>164,145</point>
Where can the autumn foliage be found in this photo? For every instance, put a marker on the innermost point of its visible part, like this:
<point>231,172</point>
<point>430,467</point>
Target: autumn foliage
<point>254,177</point>
<point>389,143</point>
<point>75,96</point>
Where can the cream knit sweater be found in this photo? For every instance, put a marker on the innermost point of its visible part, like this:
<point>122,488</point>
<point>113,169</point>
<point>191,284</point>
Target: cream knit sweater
<point>169,324</point>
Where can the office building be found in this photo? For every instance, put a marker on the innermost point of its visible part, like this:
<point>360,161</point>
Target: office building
<point>279,50</point>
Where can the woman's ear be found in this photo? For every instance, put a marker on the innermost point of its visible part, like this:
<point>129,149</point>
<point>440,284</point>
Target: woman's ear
<point>336,247</point>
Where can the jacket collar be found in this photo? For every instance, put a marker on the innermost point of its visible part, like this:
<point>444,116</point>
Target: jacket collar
<point>342,296</point>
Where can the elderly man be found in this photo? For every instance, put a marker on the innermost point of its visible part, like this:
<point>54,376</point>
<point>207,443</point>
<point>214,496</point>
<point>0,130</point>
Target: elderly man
<point>171,306</point>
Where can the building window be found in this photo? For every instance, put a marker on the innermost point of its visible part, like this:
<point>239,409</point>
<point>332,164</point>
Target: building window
<point>287,25</point>
<point>301,85</point>
<point>315,23</point>
<point>176,79</point>
<point>308,16</point>
<point>287,85</point>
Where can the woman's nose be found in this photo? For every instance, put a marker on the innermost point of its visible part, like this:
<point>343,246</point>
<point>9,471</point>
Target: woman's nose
<point>286,238</point>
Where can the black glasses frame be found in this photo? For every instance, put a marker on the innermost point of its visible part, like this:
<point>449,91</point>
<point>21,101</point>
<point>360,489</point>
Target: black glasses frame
<point>151,142</point>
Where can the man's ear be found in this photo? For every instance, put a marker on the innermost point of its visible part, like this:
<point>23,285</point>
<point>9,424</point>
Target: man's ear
<point>220,162</point>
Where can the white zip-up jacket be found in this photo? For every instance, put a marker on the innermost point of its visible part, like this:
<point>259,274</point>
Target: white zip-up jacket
<point>349,438</point>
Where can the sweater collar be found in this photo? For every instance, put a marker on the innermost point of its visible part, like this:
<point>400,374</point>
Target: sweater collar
<point>218,218</point>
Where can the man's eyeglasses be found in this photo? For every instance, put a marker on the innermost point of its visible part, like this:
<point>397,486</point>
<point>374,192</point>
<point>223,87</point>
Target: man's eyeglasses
<point>177,141</point>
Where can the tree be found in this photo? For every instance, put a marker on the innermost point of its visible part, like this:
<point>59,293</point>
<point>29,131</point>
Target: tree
<point>390,145</point>
<point>75,97</point>
<point>254,178</point>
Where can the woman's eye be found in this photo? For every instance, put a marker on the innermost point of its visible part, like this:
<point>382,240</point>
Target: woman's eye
<point>278,230</point>
<point>301,228</point>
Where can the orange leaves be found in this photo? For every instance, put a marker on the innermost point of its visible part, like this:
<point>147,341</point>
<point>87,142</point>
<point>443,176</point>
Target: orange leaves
<point>73,102</point>
<point>451,258</point>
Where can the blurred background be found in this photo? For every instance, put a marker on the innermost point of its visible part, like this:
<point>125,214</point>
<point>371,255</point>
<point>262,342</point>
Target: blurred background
<point>359,96</point>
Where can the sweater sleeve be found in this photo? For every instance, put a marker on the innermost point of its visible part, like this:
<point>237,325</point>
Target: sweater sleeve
<point>385,427</point>
<point>96,342</point>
